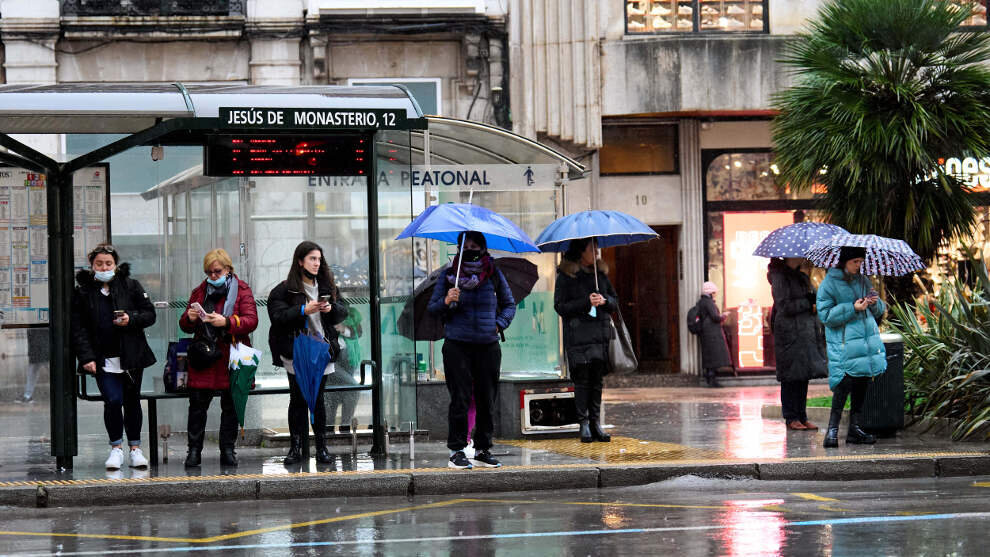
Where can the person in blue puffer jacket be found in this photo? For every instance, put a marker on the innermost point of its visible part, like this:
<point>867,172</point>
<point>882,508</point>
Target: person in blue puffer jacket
<point>850,310</point>
<point>475,311</point>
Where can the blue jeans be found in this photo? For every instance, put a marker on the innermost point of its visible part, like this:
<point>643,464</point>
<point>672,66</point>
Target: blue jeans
<point>122,405</point>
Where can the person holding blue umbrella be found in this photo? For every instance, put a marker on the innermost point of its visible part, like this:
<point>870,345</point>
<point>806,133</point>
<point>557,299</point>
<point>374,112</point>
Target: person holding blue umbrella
<point>474,300</point>
<point>305,307</point>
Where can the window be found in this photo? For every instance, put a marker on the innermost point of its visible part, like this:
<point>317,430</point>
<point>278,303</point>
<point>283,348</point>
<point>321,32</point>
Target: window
<point>978,9</point>
<point>426,90</point>
<point>639,149</point>
<point>692,16</point>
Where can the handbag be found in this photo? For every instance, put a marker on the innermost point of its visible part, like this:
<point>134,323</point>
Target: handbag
<point>621,357</point>
<point>176,374</point>
<point>203,351</point>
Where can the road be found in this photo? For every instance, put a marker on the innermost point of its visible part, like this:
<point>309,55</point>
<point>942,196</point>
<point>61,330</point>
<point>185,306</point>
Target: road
<point>686,516</point>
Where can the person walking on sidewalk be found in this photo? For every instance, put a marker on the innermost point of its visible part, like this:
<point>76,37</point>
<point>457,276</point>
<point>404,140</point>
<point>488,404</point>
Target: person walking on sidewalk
<point>230,316</point>
<point>798,346</point>
<point>586,311</point>
<point>110,312</point>
<point>307,299</point>
<point>475,308</point>
<point>714,347</point>
<point>850,309</point>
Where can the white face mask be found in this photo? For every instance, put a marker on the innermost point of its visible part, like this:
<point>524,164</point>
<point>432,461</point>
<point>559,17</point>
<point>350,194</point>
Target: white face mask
<point>104,276</point>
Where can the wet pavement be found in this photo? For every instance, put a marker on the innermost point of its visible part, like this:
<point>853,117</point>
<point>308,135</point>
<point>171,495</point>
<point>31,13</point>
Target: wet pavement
<point>685,516</point>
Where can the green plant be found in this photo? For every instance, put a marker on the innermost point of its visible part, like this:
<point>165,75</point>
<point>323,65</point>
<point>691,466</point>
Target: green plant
<point>823,402</point>
<point>882,90</point>
<point>947,355</point>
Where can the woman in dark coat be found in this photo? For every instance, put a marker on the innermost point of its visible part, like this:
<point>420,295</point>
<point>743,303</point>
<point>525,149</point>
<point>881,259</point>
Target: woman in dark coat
<point>798,344</point>
<point>231,316</point>
<point>714,348</point>
<point>306,302</point>
<point>586,336</point>
<point>475,307</point>
<point>110,312</point>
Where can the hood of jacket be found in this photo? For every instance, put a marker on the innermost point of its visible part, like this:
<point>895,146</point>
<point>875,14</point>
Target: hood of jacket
<point>571,268</point>
<point>85,278</point>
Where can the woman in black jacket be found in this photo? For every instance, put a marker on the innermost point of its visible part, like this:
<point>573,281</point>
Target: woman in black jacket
<point>798,344</point>
<point>586,336</point>
<point>110,312</point>
<point>714,348</point>
<point>307,298</point>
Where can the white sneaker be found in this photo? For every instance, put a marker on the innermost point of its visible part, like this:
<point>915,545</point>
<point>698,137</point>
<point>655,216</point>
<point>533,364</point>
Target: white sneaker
<point>116,459</point>
<point>137,458</point>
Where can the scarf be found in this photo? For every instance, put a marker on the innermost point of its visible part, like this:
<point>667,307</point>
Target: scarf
<point>473,273</point>
<point>214,293</point>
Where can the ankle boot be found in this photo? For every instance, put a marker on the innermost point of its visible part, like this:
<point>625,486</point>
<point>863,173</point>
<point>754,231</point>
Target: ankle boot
<point>193,457</point>
<point>855,435</point>
<point>295,450</point>
<point>228,457</point>
<point>322,454</point>
<point>832,433</point>
<point>597,433</point>
<point>586,432</point>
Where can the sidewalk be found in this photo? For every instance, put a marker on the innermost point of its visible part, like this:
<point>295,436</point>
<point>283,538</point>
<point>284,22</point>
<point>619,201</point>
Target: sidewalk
<point>658,433</point>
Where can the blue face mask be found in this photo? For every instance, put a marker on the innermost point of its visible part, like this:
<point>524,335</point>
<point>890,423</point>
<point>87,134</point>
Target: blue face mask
<point>217,282</point>
<point>104,276</point>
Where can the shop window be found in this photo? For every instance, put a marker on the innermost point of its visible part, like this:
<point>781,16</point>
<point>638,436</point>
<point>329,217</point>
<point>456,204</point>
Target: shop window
<point>639,149</point>
<point>692,16</point>
<point>978,9</point>
<point>747,177</point>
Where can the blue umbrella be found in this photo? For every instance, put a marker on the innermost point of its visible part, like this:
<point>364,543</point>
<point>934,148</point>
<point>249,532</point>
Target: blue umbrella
<point>608,228</point>
<point>446,222</point>
<point>310,356</point>
<point>884,256</point>
<point>795,239</point>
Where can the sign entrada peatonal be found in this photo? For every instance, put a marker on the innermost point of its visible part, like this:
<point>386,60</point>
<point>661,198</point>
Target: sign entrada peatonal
<point>455,177</point>
<point>311,118</point>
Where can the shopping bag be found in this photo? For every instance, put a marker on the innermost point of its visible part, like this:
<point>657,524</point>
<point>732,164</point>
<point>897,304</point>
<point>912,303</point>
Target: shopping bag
<point>176,374</point>
<point>621,357</point>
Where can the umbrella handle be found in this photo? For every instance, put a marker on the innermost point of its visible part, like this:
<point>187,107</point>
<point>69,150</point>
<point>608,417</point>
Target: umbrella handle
<point>460,256</point>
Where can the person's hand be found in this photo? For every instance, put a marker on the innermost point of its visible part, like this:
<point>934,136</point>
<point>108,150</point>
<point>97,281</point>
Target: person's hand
<point>215,319</point>
<point>872,300</point>
<point>89,367</point>
<point>596,299</point>
<point>326,307</point>
<point>453,295</point>
<point>122,321</point>
<point>861,304</point>
<point>192,315</point>
<point>313,307</point>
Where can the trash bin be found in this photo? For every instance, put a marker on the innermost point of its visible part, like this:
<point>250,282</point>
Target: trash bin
<point>883,409</point>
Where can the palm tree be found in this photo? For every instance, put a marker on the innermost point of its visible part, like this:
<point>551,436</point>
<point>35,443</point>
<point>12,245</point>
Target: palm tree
<point>884,89</point>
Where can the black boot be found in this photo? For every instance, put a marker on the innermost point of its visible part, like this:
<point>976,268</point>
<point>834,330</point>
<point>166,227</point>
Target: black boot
<point>598,433</point>
<point>193,457</point>
<point>586,432</point>
<point>322,454</point>
<point>712,378</point>
<point>594,412</point>
<point>855,435</point>
<point>228,457</point>
<point>832,433</point>
<point>295,450</point>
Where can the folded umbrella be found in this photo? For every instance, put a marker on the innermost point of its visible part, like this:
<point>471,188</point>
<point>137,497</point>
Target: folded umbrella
<point>884,256</point>
<point>243,367</point>
<point>310,356</point>
<point>417,323</point>
<point>794,240</point>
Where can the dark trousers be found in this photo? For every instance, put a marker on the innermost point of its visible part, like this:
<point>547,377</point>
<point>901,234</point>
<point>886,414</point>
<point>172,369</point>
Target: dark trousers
<point>854,386</point>
<point>345,400</point>
<point>588,386</point>
<point>122,405</point>
<point>471,368</point>
<point>299,412</point>
<point>199,407</point>
<point>794,400</point>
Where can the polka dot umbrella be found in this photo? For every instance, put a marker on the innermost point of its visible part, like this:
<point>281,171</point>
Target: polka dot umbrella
<point>795,239</point>
<point>884,256</point>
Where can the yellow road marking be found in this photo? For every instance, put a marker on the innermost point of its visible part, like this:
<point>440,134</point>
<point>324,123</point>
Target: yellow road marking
<point>981,484</point>
<point>813,497</point>
<point>834,509</point>
<point>241,534</point>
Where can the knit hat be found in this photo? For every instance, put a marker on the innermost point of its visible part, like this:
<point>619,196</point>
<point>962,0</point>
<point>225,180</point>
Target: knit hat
<point>849,252</point>
<point>709,288</point>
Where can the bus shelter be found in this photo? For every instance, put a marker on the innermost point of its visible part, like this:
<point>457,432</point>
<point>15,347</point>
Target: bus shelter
<point>347,167</point>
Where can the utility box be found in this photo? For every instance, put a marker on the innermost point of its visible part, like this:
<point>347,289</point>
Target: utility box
<point>547,411</point>
<point>883,408</point>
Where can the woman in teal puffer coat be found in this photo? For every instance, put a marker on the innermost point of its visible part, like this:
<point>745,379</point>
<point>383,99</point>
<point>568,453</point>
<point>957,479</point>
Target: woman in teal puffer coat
<point>850,309</point>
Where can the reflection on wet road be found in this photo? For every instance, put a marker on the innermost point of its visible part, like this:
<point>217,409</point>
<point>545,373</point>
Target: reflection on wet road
<point>685,516</point>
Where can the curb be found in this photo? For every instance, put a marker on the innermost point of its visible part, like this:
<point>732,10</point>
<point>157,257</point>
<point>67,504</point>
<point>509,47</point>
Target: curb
<point>440,481</point>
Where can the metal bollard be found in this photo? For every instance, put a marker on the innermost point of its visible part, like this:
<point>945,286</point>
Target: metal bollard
<point>165,431</point>
<point>412,441</point>
<point>354,426</point>
<point>388,447</point>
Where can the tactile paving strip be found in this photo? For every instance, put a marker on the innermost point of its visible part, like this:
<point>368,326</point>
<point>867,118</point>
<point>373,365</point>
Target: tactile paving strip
<point>620,449</point>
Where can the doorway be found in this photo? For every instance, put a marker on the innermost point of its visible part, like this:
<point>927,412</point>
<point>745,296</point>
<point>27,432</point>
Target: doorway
<point>645,278</point>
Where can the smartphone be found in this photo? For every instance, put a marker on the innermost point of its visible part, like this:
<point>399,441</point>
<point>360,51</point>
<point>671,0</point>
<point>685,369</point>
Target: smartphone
<point>118,314</point>
<point>326,298</point>
<point>198,308</point>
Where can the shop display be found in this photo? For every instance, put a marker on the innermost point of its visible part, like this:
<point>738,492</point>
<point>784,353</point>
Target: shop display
<point>645,16</point>
<point>978,9</point>
<point>24,236</point>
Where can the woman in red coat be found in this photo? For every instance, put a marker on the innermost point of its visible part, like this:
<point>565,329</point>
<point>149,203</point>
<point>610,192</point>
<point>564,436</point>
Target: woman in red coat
<point>228,315</point>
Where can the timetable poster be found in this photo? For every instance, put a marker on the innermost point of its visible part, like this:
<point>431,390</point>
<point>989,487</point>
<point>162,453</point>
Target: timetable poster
<point>24,236</point>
